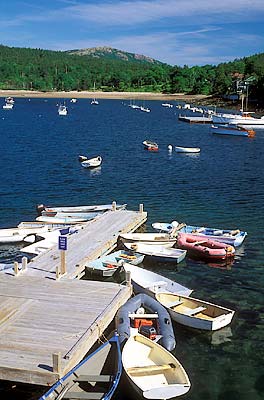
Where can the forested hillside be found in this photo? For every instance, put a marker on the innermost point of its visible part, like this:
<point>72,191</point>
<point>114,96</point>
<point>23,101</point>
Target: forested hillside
<point>113,70</point>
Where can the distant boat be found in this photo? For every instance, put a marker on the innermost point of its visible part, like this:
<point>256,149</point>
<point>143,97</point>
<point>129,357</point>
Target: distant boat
<point>73,100</point>
<point>96,377</point>
<point>145,109</point>
<point>62,110</point>
<point>8,106</point>
<point>9,100</point>
<point>92,162</point>
<point>150,145</point>
<point>157,252</point>
<point>168,105</point>
<point>152,371</point>
<point>180,149</point>
<point>94,100</point>
<point>233,130</point>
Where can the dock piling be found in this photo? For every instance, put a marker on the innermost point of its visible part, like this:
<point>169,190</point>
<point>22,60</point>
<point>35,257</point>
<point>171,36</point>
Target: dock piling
<point>56,362</point>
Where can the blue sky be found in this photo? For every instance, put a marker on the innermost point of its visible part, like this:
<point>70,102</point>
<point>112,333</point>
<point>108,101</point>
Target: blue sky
<point>178,32</point>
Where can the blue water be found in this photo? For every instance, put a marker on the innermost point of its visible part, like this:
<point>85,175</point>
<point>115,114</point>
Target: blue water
<point>222,187</point>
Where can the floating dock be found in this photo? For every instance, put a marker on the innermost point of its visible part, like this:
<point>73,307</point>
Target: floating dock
<point>49,318</point>
<point>195,120</point>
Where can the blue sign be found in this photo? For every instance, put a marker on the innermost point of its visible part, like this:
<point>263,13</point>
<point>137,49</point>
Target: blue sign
<point>62,243</point>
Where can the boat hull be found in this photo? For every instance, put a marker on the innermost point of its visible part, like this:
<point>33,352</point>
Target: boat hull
<point>101,372</point>
<point>203,248</point>
<point>157,252</point>
<point>152,371</point>
<point>195,313</point>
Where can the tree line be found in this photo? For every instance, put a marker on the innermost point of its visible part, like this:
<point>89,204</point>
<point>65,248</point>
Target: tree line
<point>46,70</point>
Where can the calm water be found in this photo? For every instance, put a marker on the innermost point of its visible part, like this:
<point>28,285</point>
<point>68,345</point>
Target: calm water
<point>223,187</point>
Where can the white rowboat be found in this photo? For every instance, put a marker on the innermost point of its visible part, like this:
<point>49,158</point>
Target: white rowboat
<point>195,313</point>
<point>152,371</point>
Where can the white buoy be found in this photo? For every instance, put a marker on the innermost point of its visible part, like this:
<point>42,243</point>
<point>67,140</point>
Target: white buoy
<point>170,147</point>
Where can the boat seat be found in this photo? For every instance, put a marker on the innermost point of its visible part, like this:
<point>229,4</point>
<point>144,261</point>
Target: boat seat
<point>83,395</point>
<point>174,303</point>
<point>147,369</point>
<point>193,311</point>
<point>154,284</point>
<point>93,378</point>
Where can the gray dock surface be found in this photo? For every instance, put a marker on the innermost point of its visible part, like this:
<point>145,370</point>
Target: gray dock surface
<point>43,319</point>
<point>195,120</point>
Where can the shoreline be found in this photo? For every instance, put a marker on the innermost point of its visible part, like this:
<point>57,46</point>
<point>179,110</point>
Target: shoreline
<point>102,95</point>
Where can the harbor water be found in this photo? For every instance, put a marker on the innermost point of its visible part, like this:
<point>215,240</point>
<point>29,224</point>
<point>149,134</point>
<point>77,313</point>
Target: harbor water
<point>221,187</point>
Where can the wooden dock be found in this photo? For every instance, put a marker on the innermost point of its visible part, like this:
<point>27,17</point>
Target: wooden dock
<point>47,326</point>
<point>49,321</point>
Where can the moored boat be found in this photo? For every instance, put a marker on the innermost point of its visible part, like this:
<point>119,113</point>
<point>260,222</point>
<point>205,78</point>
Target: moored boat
<point>96,377</point>
<point>195,313</point>
<point>203,248</point>
<point>157,252</point>
<point>80,209</point>
<point>62,110</point>
<point>16,235</point>
<point>235,237</point>
<point>180,149</point>
<point>92,162</point>
<point>149,282</point>
<point>150,145</point>
<point>151,238</point>
<point>108,265</point>
<point>233,130</point>
<point>143,310</point>
<point>152,371</point>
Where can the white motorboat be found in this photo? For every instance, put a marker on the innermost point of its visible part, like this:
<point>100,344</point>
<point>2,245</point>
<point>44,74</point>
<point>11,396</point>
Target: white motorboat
<point>62,110</point>
<point>149,282</point>
<point>195,313</point>
<point>92,162</point>
<point>150,145</point>
<point>244,119</point>
<point>73,100</point>
<point>180,149</point>
<point>157,252</point>
<point>152,371</point>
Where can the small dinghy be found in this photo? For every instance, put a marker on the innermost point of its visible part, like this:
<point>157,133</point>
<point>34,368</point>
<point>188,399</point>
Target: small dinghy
<point>235,237</point>
<point>60,220</point>
<point>96,377</point>
<point>233,130</point>
<point>142,312</point>
<point>151,146</point>
<point>195,313</point>
<point>16,235</point>
<point>152,371</point>
<point>180,149</point>
<point>205,249</point>
<point>106,266</point>
<point>151,238</point>
<point>79,209</point>
<point>157,252</point>
<point>92,162</point>
<point>148,282</point>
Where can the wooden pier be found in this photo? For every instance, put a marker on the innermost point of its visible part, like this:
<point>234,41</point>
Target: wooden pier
<point>49,320</point>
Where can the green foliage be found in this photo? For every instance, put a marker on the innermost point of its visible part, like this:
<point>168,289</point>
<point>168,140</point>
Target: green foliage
<point>114,70</point>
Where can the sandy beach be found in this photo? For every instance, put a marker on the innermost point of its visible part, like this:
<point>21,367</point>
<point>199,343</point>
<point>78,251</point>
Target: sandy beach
<point>102,95</point>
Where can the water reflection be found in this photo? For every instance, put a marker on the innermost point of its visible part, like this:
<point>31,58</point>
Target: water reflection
<point>95,171</point>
